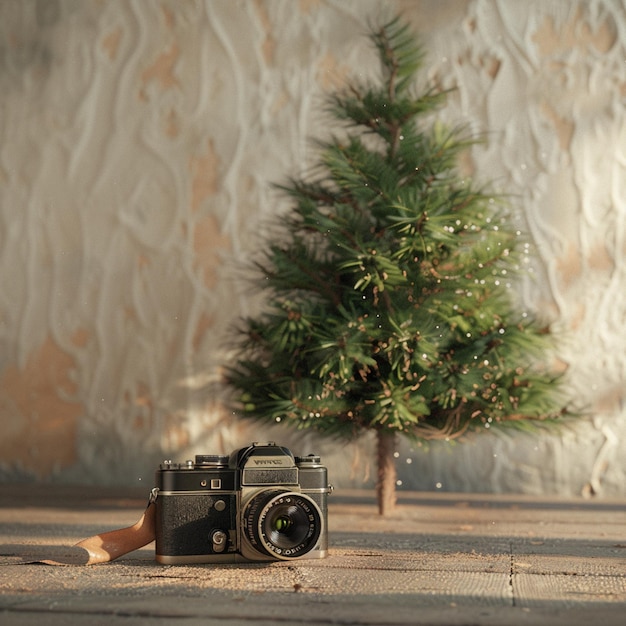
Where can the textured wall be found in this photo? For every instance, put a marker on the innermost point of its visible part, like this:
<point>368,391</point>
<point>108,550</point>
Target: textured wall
<point>137,143</point>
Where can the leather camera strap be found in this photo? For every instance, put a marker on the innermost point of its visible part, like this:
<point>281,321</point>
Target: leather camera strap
<point>111,545</point>
<point>107,546</point>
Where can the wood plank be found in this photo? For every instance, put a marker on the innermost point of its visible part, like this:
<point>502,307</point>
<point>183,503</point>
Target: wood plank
<point>569,591</point>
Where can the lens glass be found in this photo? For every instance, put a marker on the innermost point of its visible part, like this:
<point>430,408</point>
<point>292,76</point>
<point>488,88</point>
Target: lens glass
<point>283,525</point>
<point>286,525</point>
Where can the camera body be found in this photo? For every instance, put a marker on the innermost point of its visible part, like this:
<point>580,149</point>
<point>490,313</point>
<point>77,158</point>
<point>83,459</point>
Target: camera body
<point>258,504</point>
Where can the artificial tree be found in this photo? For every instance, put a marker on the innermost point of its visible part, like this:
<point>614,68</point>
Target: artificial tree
<point>388,284</point>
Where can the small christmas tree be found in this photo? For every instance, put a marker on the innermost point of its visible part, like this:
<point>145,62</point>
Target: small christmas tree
<point>389,304</point>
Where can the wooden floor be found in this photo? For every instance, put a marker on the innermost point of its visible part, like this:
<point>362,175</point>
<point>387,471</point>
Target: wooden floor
<point>443,559</point>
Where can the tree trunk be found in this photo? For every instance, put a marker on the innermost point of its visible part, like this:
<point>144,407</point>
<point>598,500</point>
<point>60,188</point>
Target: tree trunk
<point>387,475</point>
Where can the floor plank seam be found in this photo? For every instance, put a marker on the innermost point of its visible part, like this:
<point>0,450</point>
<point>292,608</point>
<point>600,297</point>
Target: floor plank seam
<point>511,576</point>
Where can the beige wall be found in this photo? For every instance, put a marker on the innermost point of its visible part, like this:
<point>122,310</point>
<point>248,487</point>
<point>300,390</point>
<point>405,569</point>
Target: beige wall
<point>138,141</point>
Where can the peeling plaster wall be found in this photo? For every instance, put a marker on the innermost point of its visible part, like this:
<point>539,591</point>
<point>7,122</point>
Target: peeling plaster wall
<point>138,141</point>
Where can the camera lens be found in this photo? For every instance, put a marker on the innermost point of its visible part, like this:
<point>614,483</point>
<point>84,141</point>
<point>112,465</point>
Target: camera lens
<point>282,524</point>
<point>286,525</point>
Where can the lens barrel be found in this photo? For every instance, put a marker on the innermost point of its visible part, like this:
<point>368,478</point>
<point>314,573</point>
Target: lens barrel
<point>282,524</point>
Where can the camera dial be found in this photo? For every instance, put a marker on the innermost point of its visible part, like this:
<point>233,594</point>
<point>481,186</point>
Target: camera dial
<point>211,460</point>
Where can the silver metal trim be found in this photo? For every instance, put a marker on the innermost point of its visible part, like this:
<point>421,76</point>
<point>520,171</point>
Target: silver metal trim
<point>196,492</point>
<point>231,557</point>
<point>328,489</point>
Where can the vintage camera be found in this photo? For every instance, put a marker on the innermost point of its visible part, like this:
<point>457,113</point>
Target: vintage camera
<point>258,504</point>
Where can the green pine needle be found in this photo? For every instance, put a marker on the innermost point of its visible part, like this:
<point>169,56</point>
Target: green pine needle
<point>389,300</point>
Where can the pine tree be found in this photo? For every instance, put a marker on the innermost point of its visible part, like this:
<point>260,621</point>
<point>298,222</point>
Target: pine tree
<point>389,306</point>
